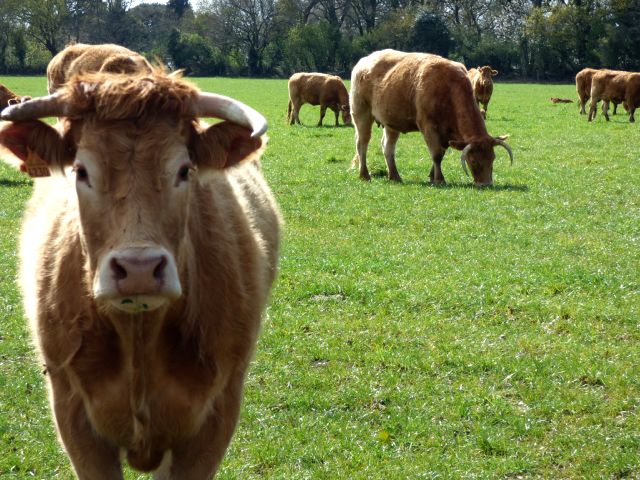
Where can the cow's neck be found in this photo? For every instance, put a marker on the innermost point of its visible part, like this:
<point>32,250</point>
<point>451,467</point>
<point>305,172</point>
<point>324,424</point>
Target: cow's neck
<point>139,336</point>
<point>469,123</point>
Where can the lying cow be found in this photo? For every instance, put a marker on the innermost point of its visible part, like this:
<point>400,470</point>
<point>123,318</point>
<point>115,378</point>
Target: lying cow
<point>482,85</point>
<point>7,97</point>
<point>80,58</point>
<point>328,91</point>
<point>616,87</point>
<point>146,266</point>
<point>408,92</point>
<point>583,86</point>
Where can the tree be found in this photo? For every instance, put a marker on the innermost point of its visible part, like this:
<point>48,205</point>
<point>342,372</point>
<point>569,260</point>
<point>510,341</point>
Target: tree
<point>430,34</point>
<point>179,7</point>
<point>46,20</point>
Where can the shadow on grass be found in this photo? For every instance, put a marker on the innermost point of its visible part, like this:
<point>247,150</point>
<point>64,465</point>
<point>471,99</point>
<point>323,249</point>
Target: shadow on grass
<point>459,185</point>
<point>4,182</point>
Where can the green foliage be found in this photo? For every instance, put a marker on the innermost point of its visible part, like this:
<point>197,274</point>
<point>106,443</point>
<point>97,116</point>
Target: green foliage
<point>430,34</point>
<point>194,54</point>
<point>313,47</point>
<point>416,331</point>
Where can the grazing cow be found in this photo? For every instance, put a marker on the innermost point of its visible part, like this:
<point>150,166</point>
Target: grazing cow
<point>7,97</point>
<point>80,58</point>
<point>616,87</point>
<point>146,261</point>
<point>408,92</point>
<point>317,89</point>
<point>583,86</point>
<point>482,85</point>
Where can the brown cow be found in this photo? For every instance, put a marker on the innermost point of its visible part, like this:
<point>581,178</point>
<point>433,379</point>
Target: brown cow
<point>583,86</point>
<point>482,85</point>
<point>410,92</point>
<point>146,266</point>
<point>7,97</point>
<point>317,89</point>
<point>616,87</point>
<point>80,58</point>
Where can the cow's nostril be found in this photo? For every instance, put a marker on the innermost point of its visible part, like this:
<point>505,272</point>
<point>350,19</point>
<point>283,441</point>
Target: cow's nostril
<point>119,272</point>
<point>158,272</point>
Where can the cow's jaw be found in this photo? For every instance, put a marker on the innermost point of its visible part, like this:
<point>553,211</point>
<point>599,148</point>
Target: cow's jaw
<point>137,280</point>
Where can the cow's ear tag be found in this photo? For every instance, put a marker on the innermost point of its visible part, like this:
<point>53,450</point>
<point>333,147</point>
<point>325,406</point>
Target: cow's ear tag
<point>36,166</point>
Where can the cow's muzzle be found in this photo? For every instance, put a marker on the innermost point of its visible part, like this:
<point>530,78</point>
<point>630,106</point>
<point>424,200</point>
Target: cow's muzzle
<point>137,279</point>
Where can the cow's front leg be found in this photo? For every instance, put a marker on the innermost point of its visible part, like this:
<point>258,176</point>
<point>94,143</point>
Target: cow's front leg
<point>337,113</point>
<point>605,109</point>
<point>92,457</point>
<point>632,112</point>
<point>200,456</point>
<point>323,111</point>
<point>389,140</point>
<point>437,152</point>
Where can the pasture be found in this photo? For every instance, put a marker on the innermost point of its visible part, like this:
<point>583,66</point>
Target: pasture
<point>416,331</point>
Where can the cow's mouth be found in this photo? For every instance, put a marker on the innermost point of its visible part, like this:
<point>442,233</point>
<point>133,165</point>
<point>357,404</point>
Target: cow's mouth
<point>138,303</point>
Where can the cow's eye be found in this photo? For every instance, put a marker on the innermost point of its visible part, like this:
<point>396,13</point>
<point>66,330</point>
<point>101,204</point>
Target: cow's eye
<point>81,174</point>
<point>183,173</point>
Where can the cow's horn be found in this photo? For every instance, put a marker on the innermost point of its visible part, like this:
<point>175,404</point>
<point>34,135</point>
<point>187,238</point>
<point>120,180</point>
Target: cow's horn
<point>463,159</point>
<point>41,107</point>
<point>504,144</point>
<point>226,108</point>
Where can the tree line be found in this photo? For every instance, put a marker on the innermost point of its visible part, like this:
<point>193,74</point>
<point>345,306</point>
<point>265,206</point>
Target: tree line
<point>529,39</point>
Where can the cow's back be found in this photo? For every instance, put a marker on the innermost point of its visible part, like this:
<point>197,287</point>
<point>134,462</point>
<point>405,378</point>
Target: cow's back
<point>608,85</point>
<point>307,87</point>
<point>82,58</point>
<point>403,89</point>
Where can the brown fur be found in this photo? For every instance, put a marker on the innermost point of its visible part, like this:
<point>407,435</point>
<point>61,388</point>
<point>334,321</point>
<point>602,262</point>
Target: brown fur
<point>561,100</point>
<point>409,92</point>
<point>80,58</point>
<point>616,87</point>
<point>482,85</point>
<point>7,97</point>
<point>583,86</point>
<point>170,379</point>
<point>328,91</point>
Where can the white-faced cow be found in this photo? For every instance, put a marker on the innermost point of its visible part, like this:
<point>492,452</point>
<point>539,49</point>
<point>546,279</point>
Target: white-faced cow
<point>146,261</point>
<point>408,92</point>
<point>482,84</point>
<point>616,87</point>
<point>328,91</point>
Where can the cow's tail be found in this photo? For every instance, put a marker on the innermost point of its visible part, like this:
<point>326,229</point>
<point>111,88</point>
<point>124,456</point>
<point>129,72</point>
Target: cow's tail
<point>289,111</point>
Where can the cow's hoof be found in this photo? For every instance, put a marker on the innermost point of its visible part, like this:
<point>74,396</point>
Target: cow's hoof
<point>365,178</point>
<point>395,178</point>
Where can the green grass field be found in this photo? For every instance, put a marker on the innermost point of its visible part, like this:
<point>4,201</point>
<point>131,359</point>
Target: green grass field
<point>416,331</point>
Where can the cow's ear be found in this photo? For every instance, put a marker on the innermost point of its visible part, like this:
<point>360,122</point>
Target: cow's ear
<point>35,143</point>
<point>457,144</point>
<point>494,73</point>
<point>226,144</point>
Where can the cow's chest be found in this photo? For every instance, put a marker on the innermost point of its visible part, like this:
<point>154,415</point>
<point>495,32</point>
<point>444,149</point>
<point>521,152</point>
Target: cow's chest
<point>140,390</point>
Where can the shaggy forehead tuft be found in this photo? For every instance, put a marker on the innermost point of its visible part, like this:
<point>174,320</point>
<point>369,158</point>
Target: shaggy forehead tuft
<point>117,97</point>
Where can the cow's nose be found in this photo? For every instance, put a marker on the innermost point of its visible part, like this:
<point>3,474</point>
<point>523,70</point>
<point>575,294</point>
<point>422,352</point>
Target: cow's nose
<point>139,274</point>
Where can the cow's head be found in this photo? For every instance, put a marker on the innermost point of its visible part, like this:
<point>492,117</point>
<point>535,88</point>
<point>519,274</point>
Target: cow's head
<point>479,155</point>
<point>136,154</point>
<point>487,72</point>
<point>346,114</point>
